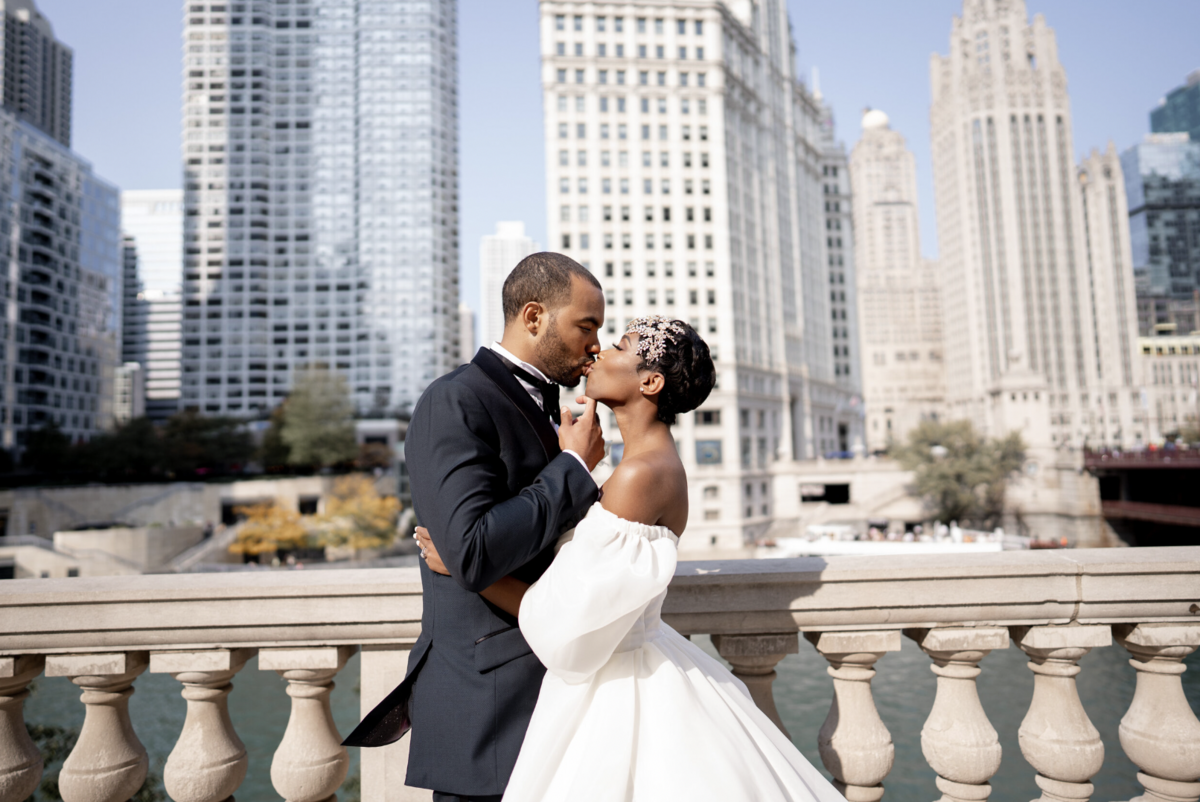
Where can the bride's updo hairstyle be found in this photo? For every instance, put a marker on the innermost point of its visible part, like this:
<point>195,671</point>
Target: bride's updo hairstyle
<point>674,349</point>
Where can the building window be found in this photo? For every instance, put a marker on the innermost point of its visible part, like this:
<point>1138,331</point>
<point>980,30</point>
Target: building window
<point>620,73</point>
<point>566,242</point>
<point>682,57</point>
<point>645,132</point>
<point>583,242</point>
<point>580,130</point>
<point>708,452</point>
<point>643,78</point>
<point>662,133</point>
<point>564,185</point>
<point>560,22</point>
<point>619,24</point>
<point>604,131</point>
<point>560,49</point>
<point>578,23</point>
<point>708,417</point>
<point>562,76</point>
<point>687,133</point>
<point>662,79</point>
<point>578,76</point>
<point>681,27</point>
<point>700,79</point>
<point>699,27</point>
<point>660,51</point>
<point>565,214</point>
<point>601,22</point>
<point>602,74</point>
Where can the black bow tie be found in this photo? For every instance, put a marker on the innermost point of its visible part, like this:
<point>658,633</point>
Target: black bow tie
<point>548,390</point>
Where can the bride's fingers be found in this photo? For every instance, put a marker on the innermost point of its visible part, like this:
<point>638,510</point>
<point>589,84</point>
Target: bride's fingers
<point>565,416</point>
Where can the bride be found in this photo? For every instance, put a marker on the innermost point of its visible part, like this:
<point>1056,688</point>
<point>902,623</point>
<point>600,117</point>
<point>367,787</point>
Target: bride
<point>630,709</point>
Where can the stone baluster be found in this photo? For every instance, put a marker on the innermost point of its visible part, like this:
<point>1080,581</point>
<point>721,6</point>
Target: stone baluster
<point>310,763</point>
<point>108,763</point>
<point>1056,737</point>
<point>20,760</point>
<point>855,745</point>
<point>1160,732</point>
<point>754,658</point>
<point>959,742</point>
<point>209,761</point>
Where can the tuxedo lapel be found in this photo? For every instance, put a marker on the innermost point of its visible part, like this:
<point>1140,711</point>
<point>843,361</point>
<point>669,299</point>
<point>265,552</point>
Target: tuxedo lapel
<point>487,361</point>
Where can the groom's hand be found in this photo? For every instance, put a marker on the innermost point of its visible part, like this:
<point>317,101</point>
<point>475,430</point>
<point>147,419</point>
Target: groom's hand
<point>582,435</point>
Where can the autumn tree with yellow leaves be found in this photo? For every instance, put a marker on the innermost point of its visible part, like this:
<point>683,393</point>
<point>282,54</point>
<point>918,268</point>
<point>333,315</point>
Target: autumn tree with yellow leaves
<point>267,528</point>
<point>357,516</point>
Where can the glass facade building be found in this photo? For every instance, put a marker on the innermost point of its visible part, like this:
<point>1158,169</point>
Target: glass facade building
<point>1162,185</point>
<point>321,199</point>
<point>1179,111</point>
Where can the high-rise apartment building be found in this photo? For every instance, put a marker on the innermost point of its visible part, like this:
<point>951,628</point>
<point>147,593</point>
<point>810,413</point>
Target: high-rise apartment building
<point>686,167</point>
<point>152,307</point>
<point>1179,111</point>
<point>898,294</point>
<point>1162,186</point>
<point>321,199</point>
<point>1039,311</point>
<point>35,70</point>
<point>59,343</point>
<point>498,255</point>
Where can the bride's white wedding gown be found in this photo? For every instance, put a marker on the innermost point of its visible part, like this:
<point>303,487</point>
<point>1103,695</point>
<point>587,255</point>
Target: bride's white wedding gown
<point>629,708</point>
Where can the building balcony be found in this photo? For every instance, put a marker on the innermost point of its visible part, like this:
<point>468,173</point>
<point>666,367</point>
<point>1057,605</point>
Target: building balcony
<point>103,633</point>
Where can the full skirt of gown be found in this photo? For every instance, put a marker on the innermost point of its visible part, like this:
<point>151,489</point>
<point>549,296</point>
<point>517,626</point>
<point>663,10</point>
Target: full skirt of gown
<point>630,709</point>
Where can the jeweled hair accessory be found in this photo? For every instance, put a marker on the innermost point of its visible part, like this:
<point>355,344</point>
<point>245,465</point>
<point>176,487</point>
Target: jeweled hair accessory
<point>654,333</point>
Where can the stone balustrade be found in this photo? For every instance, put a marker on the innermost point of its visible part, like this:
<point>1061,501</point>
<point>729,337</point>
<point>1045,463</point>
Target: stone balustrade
<point>103,633</point>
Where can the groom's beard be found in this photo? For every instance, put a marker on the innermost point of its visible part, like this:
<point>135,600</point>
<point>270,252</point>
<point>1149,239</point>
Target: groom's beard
<point>557,361</point>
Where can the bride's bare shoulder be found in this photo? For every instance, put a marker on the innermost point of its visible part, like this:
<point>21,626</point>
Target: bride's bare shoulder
<point>644,489</point>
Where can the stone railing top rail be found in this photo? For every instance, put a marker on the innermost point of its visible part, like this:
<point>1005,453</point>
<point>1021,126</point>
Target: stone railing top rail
<point>381,606</point>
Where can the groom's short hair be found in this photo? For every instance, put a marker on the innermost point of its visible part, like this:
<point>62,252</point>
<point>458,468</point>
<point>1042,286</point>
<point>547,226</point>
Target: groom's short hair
<point>543,278</point>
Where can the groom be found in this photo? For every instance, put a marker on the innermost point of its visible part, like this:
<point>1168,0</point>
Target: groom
<point>495,485</point>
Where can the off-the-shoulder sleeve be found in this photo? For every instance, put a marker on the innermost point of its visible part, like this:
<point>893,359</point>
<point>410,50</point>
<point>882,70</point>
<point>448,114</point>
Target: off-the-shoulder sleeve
<point>576,615</point>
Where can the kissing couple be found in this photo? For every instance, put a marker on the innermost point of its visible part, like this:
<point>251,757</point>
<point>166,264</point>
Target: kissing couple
<point>543,671</point>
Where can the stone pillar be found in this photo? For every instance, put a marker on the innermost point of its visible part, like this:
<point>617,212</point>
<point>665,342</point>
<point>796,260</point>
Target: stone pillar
<point>754,658</point>
<point>108,763</point>
<point>20,760</point>
<point>959,742</point>
<point>1056,737</point>
<point>209,761</point>
<point>311,762</point>
<point>855,745</point>
<point>1160,732</point>
<point>383,768</point>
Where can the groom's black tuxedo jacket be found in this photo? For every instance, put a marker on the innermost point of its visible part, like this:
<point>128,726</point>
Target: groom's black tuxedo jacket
<point>495,493</point>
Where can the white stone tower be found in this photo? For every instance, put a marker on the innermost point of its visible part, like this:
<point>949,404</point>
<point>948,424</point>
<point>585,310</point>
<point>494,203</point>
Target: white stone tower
<point>899,307</point>
<point>498,255</point>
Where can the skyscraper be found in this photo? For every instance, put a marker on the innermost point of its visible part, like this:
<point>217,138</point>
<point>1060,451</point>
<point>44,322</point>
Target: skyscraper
<point>1040,317</point>
<point>685,169</point>
<point>1179,111</point>
<point>60,344</point>
<point>1162,186</point>
<point>152,224</point>
<point>35,71</point>
<point>321,227</point>
<point>498,255</point>
<point>898,294</point>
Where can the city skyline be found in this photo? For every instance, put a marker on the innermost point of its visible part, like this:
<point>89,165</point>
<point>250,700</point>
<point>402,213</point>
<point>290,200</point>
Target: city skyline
<point>881,61</point>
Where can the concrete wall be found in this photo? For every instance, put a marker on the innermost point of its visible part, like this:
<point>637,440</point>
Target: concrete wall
<point>44,510</point>
<point>149,548</point>
<point>32,562</point>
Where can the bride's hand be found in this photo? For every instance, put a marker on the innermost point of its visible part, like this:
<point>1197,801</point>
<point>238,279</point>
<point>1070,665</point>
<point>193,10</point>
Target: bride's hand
<point>429,552</point>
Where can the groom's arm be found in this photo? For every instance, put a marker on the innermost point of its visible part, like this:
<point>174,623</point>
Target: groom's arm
<point>460,490</point>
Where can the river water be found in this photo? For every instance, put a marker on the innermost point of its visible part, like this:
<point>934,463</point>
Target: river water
<point>904,689</point>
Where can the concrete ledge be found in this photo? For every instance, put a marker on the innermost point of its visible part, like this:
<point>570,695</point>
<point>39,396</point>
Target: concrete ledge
<point>383,606</point>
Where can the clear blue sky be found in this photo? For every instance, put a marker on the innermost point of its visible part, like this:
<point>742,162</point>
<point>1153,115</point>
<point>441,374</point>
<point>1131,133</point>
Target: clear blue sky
<point>1120,58</point>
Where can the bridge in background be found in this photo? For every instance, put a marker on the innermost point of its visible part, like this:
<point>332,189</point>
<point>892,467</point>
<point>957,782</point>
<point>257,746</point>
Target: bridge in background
<point>1151,498</point>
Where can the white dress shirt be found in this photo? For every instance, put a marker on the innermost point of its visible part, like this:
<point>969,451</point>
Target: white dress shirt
<point>534,393</point>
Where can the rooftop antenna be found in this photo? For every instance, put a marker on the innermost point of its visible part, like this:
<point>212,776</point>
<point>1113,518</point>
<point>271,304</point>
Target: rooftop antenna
<point>816,81</point>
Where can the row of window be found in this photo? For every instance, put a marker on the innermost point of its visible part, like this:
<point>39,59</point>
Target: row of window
<point>622,132</point>
<point>685,104</point>
<point>669,297</point>
<point>602,76</point>
<point>643,51</point>
<point>641,24</point>
<point>664,158</point>
<point>652,269</point>
<point>585,242</point>
<point>584,213</point>
<point>606,186</point>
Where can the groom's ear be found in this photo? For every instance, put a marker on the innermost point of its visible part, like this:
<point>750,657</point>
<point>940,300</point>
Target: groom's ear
<point>534,317</point>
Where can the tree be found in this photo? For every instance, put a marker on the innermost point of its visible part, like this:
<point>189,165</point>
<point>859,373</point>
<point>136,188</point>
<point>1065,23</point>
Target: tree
<point>962,475</point>
<point>273,453</point>
<point>46,449</point>
<point>132,450</point>
<point>268,528</point>
<point>357,516</point>
<point>318,425</point>
<point>196,443</point>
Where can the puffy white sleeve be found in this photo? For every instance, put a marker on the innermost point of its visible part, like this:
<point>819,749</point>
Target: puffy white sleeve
<point>600,583</point>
